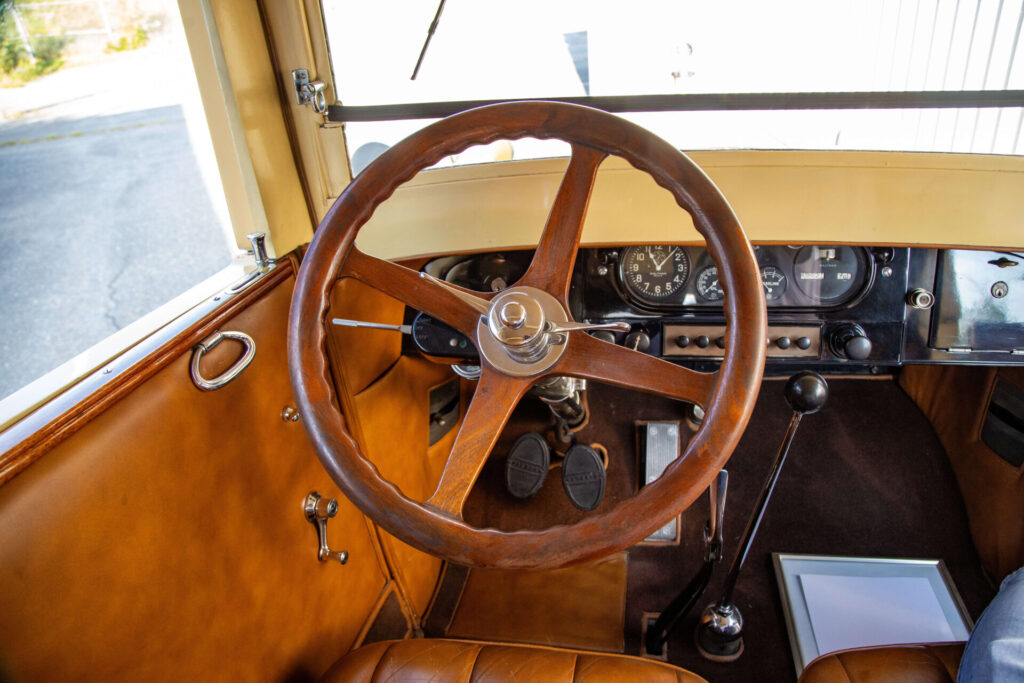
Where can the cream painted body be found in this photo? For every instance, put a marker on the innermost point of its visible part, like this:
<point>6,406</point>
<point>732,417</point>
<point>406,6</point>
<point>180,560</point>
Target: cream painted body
<point>867,198</point>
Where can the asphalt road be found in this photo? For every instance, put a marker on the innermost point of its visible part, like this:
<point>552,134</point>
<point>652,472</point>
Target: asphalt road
<point>102,219</point>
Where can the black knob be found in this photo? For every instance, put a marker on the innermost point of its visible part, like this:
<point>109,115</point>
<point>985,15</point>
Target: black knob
<point>682,341</point>
<point>783,342</point>
<point>850,341</point>
<point>803,343</point>
<point>720,342</point>
<point>806,392</point>
<point>857,348</point>
<point>703,341</point>
<point>638,341</point>
<point>604,335</point>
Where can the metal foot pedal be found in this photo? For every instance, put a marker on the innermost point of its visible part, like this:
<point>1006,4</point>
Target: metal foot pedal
<point>583,477</point>
<point>526,467</point>
<point>658,443</point>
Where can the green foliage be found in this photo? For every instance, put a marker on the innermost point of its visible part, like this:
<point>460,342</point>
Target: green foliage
<point>136,38</point>
<point>12,49</point>
<point>20,65</point>
<point>49,51</point>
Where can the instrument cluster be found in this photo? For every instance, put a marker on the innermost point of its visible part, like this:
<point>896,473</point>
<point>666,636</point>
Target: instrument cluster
<point>667,277</point>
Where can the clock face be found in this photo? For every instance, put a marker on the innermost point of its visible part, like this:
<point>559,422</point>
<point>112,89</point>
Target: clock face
<point>654,273</point>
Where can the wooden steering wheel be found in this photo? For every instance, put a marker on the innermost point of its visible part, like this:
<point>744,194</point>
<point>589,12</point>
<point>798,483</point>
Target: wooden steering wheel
<point>525,334</point>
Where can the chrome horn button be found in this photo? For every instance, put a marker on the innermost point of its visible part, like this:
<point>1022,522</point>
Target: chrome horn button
<point>514,336</point>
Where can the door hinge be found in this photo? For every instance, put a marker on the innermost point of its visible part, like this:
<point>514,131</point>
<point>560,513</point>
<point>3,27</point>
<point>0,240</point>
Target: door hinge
<point>309,92</point>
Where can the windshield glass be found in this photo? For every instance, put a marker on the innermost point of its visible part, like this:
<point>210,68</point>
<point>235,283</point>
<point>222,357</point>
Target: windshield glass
<point>534,49</point>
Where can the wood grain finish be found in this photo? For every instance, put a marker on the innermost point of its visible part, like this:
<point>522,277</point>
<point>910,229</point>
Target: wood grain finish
<point>731,397</point>
<point>493,401</point>
<point>421,293</point>
<point>592,358</point>
<point>956,400</point>
<point>551,268</point>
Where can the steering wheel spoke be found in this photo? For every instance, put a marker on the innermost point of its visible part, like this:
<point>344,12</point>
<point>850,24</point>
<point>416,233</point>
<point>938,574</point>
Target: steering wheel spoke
<point>591,358</point>
<point>551,268</point>
<point>494,399</point>
<point>444,302</point>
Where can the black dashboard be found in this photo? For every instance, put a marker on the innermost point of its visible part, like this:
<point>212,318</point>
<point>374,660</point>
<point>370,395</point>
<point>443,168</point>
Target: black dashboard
<point>833,308</point>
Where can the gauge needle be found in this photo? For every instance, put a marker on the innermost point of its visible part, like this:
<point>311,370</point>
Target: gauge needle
<point>655,261</point>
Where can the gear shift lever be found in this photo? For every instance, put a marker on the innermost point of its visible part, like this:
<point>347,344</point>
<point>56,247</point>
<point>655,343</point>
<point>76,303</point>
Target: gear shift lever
<point>720,632</point>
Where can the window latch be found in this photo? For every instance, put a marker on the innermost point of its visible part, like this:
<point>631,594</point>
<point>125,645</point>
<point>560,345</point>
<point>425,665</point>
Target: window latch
<point>309,92</point>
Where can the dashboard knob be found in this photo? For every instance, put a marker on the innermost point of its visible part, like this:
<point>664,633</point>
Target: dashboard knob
<point>682,341</point>
<point>703,341</point>
<point>638,341</point>
<point>604,335</point>
<point>803,343</point>
<point>920,298</point>
<point>783,342</point>
<point>850,341</point>
<point>720,342</point>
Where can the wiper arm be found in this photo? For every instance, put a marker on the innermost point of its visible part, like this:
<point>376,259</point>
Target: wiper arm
<point>426,43</point>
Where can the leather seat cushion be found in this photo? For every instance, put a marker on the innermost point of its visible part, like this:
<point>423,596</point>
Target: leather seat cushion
<point>460,660</point>
<point>896,664</point>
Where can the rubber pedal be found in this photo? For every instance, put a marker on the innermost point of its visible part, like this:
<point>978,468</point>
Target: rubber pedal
<point>526,467</point>
<point>583,477</point>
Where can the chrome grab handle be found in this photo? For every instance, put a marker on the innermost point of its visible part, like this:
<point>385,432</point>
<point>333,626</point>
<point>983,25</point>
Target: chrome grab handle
<point>231,373</point>
<point>318,510</point>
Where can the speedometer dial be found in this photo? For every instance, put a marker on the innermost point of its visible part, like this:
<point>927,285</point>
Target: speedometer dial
<point>654,273</point>
<point>828,274</point>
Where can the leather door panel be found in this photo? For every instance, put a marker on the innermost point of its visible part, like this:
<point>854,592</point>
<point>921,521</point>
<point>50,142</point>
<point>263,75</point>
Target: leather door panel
<point>165,539</point>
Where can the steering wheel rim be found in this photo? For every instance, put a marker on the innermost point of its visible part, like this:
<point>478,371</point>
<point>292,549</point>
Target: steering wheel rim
<point>728,398</point>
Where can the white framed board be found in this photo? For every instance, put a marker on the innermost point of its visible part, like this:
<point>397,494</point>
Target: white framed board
<point>835,603</point>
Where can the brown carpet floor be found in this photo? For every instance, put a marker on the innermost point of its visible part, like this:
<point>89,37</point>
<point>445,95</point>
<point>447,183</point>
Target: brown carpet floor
<point>866,476</point>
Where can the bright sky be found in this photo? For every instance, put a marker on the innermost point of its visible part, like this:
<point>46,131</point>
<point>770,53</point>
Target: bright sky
<point>482,50</point>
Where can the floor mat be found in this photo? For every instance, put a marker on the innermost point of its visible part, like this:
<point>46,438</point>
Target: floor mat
<point>578,607</point>
<point>866,476</point>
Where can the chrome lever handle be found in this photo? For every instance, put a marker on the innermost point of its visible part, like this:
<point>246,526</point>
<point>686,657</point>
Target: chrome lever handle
<point>713,537</point>
<point>481,306</point>
<point>318,510</point>
<point>344,322</point>
<point>571,326</point>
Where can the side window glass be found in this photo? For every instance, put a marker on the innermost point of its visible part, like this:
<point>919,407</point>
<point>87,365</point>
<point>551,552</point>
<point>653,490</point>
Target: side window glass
<point>111,200</point>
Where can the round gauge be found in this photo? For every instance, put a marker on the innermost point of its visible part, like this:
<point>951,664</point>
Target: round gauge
<point>774,281</point>
<point>828,274</point>
<point>654,273</point>
<point>708,286</point>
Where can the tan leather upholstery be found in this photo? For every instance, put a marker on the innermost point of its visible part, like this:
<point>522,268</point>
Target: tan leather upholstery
<point>897,664</point>
<point>461,660</point>
<point>165,540</point>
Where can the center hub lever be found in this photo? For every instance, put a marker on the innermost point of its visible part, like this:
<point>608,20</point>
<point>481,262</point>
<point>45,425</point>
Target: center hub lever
<point>654,642</point>
<point>720,632</point>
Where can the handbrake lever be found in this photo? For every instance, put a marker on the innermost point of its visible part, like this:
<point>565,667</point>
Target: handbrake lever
<point>658,633</point>
<point>713,533</point>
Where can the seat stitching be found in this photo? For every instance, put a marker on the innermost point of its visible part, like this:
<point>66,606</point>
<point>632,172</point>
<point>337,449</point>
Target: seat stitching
<point>839,658</point>
<point>380,660</point>
<point>476,661</point>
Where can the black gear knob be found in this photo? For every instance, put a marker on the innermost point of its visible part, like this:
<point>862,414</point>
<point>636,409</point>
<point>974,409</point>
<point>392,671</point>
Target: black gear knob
<point>806,392</point>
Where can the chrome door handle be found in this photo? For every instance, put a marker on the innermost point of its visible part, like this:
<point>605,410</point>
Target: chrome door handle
<point>231,373</point>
